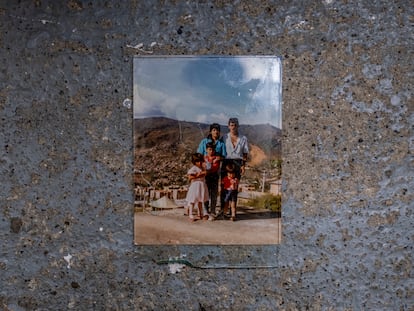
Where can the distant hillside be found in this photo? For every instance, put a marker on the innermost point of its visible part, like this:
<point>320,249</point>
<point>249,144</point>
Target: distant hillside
<point>266,137</point>
<point>150,132</point>
<point>163,147</point>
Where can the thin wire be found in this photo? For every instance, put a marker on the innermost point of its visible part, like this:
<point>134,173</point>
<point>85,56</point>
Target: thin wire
<point>189,264</point>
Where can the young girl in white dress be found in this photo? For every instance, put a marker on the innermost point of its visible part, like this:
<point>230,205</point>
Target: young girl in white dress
<point>197,193</point>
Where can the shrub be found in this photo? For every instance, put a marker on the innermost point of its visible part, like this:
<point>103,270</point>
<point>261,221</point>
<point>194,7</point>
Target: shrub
<point>269,201</point>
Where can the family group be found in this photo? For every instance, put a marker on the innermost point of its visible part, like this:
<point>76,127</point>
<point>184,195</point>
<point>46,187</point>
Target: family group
<point>218,161</point>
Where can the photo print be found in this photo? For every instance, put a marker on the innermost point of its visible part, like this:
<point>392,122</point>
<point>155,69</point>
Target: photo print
<point>207,150</point>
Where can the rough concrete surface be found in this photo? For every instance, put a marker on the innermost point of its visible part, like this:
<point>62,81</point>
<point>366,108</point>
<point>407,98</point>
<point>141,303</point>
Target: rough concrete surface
<point>66,156</point>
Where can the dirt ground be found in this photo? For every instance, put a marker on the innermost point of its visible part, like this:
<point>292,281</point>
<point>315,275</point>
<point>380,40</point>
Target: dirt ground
<point>171,227</point>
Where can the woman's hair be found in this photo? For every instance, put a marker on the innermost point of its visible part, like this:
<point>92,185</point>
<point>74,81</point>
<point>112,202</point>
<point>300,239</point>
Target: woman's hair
<point>196,157</point>
<point>215,126</point>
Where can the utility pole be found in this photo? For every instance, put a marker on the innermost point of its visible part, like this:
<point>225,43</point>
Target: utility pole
<point>264,179</point>
<point>181,133</point>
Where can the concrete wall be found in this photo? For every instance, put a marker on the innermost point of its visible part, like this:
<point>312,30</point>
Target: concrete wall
<point>66,156</point>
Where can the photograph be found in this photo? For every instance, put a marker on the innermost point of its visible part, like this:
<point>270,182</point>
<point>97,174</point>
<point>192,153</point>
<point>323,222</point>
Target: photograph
<point>207,135</point>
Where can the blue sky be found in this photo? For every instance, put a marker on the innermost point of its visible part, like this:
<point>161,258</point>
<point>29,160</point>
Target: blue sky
<point>209,89</point>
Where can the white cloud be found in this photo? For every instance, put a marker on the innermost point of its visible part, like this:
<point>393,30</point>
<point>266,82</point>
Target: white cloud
<point>260,68</point>
<point>162,90</point>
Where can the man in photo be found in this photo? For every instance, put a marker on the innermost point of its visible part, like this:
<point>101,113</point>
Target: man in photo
<point>237,149</point>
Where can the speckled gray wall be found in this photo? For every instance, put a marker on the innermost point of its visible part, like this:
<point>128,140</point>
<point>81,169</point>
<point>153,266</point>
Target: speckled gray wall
<point>66,156</point>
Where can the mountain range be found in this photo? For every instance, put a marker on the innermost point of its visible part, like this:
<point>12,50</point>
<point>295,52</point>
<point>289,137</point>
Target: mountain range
<point>163,148</point>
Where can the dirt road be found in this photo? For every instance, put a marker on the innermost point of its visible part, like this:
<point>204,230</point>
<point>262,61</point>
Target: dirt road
<point>171,227</point>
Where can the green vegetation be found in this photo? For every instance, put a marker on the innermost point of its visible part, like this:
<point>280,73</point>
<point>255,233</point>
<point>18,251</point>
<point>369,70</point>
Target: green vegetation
<point>277,164</point>
<point>269,201</point>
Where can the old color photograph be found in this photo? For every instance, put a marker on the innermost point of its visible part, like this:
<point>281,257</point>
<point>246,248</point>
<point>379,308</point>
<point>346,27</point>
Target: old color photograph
<point>207,150</point>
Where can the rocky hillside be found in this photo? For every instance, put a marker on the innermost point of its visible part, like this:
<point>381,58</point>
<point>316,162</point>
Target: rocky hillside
<point>163,148</point>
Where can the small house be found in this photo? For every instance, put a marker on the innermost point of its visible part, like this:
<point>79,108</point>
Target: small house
<point>276,187</point>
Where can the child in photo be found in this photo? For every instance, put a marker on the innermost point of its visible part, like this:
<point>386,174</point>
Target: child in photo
<point>230,185</point>
<point>212,178</point>
<point>197,193</point>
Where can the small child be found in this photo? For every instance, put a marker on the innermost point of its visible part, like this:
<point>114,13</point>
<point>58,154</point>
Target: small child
<point>198,192</point>
<point>212,178</point>
<point>230,185</point>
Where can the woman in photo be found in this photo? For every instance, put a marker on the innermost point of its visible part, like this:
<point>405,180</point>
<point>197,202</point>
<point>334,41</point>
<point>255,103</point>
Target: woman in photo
<point>219,151</point>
